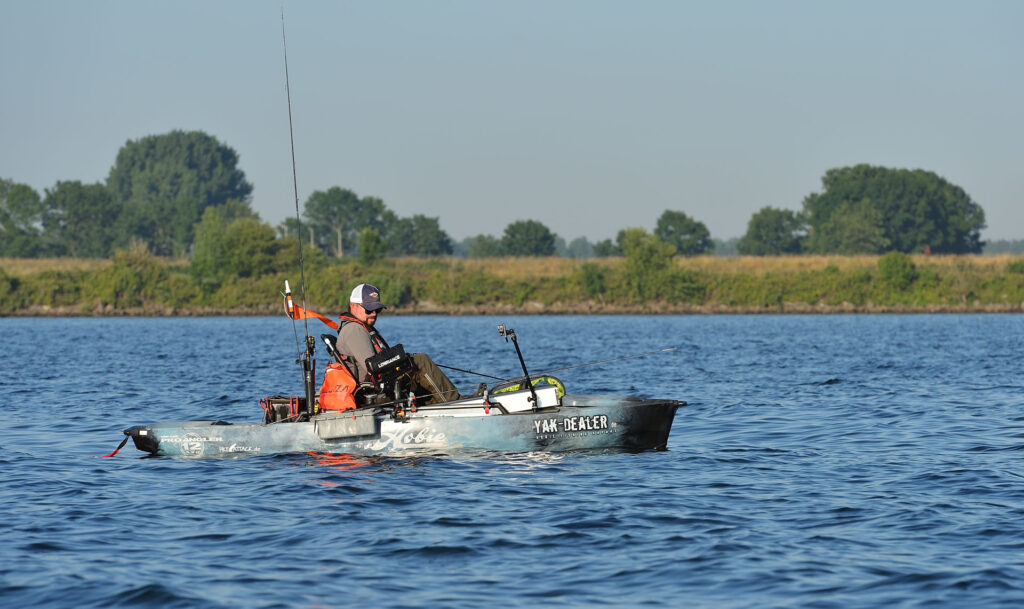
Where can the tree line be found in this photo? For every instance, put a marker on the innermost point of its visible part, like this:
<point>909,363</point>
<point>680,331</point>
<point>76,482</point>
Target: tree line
<point>182,194</point>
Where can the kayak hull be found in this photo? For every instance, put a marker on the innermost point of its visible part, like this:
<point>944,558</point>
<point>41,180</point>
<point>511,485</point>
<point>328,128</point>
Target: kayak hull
<point>572,422</point>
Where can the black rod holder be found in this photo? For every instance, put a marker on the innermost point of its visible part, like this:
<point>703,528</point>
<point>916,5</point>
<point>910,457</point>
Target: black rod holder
<point>508,333</point>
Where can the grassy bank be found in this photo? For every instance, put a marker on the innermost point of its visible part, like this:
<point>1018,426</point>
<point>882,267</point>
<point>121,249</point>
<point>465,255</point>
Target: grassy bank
<point>139,284</point>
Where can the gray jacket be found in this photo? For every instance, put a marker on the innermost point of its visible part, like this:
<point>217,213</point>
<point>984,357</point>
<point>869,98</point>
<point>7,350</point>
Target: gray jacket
<point>355,344</point>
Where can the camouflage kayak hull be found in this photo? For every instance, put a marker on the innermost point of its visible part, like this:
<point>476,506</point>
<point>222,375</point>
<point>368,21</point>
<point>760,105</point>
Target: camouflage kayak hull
<point>570,422</point>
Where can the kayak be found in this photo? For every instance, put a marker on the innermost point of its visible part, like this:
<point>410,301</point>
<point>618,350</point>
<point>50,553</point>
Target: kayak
<point>502,422</point>
<point>522,414</point>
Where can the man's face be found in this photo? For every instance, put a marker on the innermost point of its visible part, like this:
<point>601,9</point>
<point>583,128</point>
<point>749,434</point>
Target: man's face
<point>367,317</point>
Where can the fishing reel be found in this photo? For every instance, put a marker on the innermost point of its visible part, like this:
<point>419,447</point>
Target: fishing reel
<point>506,333</point>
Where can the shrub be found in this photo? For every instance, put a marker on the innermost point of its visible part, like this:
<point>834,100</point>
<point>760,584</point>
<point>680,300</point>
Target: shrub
<point>8,285</point>
<point>249,248</point>
<point>134,279</point>
<point>371,246</point>
<point>897,270</point>
<point>592,278</point>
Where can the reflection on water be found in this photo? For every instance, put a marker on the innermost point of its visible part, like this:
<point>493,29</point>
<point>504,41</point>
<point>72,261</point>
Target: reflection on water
<point>339,461</point>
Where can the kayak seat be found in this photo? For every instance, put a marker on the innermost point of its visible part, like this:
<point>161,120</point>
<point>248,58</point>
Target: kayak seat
<point>331,342</point>
<point>389,370</point>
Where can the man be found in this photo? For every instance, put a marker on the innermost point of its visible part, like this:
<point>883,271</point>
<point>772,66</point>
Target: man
<point>358,340</point>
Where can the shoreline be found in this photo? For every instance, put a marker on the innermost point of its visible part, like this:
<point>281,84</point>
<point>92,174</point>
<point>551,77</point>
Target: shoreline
<point>534,308</point>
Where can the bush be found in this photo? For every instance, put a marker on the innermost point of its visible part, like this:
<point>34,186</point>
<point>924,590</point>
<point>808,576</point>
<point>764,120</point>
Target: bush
<point>897,270</point>
<point>371,246</point>
<point>592,278</point>
<point>135,278</point>
<point>1016,266</point>
<point>250,248</point>
<point>51,288</point>
<point>8,285</point>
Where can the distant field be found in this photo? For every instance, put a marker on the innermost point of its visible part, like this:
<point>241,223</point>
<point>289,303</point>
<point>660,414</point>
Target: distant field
<point>144,285</point>
<point>22,267</point>
<point>765,264</point>
<point>522,268</point>
<point>554,266</point>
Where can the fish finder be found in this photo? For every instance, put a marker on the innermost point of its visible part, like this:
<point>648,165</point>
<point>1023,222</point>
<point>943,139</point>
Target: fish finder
<point>388,366</point>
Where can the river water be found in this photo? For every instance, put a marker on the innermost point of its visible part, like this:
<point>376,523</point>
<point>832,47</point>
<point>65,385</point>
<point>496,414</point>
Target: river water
<point>822,461</point>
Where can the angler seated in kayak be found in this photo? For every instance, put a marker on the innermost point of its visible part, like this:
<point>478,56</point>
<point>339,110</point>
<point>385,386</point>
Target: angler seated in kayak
<point>359,340</point>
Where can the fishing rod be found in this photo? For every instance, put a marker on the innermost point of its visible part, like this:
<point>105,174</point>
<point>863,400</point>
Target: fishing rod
<point>405,402</point>
<point>486,376</point>
<point>520,378</point>
<point>308,363</point>
<point>604,361</point>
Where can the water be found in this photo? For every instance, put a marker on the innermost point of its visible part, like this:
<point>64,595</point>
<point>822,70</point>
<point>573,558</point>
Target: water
<point>823,461</point>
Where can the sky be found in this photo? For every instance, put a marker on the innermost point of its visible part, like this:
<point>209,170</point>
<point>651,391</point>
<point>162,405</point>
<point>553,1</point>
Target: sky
<point>586,115</point>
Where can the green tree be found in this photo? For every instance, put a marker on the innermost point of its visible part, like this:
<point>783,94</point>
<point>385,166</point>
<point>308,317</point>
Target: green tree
<point>338,216</point>
<point>579,248</point>
<point>250,248</point>
<point>688,236</point>
<point>79,220</point>
<point>208,257</point>
<point>292,227</point>
<point>371,246</point>
<point>528,238</point>
<point>21,211</point>
<point>726,247</point>
<point>648,261</point>
<point>1004,246</point>
<point>607,248</point>
<point>483,246</point>
<point>212,255</point>
<point>918,208</point>
<point>771,232</point>
<point>165,182</point>
<point>853,228</point>
<point>418,236</point>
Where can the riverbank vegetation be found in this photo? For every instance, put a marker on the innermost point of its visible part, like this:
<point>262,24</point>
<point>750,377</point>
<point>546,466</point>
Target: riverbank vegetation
<point>134,282</point>
<point>171,231</point>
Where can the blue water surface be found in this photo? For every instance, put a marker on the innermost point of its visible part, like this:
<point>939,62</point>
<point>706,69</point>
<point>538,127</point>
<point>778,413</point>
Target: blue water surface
<point>822,461</point>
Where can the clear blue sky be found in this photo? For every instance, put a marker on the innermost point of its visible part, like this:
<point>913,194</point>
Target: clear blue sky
<point>589,116</point>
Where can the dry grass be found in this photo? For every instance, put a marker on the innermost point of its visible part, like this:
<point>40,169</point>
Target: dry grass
<point>758,265</point>
<point>516,268</point>
<point>524,268</point>
<point>21,267</point>
<point>773,264</point>
<point>554,266</point>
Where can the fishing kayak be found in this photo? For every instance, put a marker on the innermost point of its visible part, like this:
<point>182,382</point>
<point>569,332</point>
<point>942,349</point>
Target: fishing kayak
<point>507,421</point>
<point>522,414</point>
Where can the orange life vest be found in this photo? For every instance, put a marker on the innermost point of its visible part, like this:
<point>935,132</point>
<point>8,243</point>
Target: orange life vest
<point>338,390</point>
<point>378,342</point>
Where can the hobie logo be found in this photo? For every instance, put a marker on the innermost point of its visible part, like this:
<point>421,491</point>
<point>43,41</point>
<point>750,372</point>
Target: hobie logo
<point>402,438</point>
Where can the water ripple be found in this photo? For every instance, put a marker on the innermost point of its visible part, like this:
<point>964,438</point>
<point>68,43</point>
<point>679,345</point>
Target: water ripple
<point>839,461</point>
